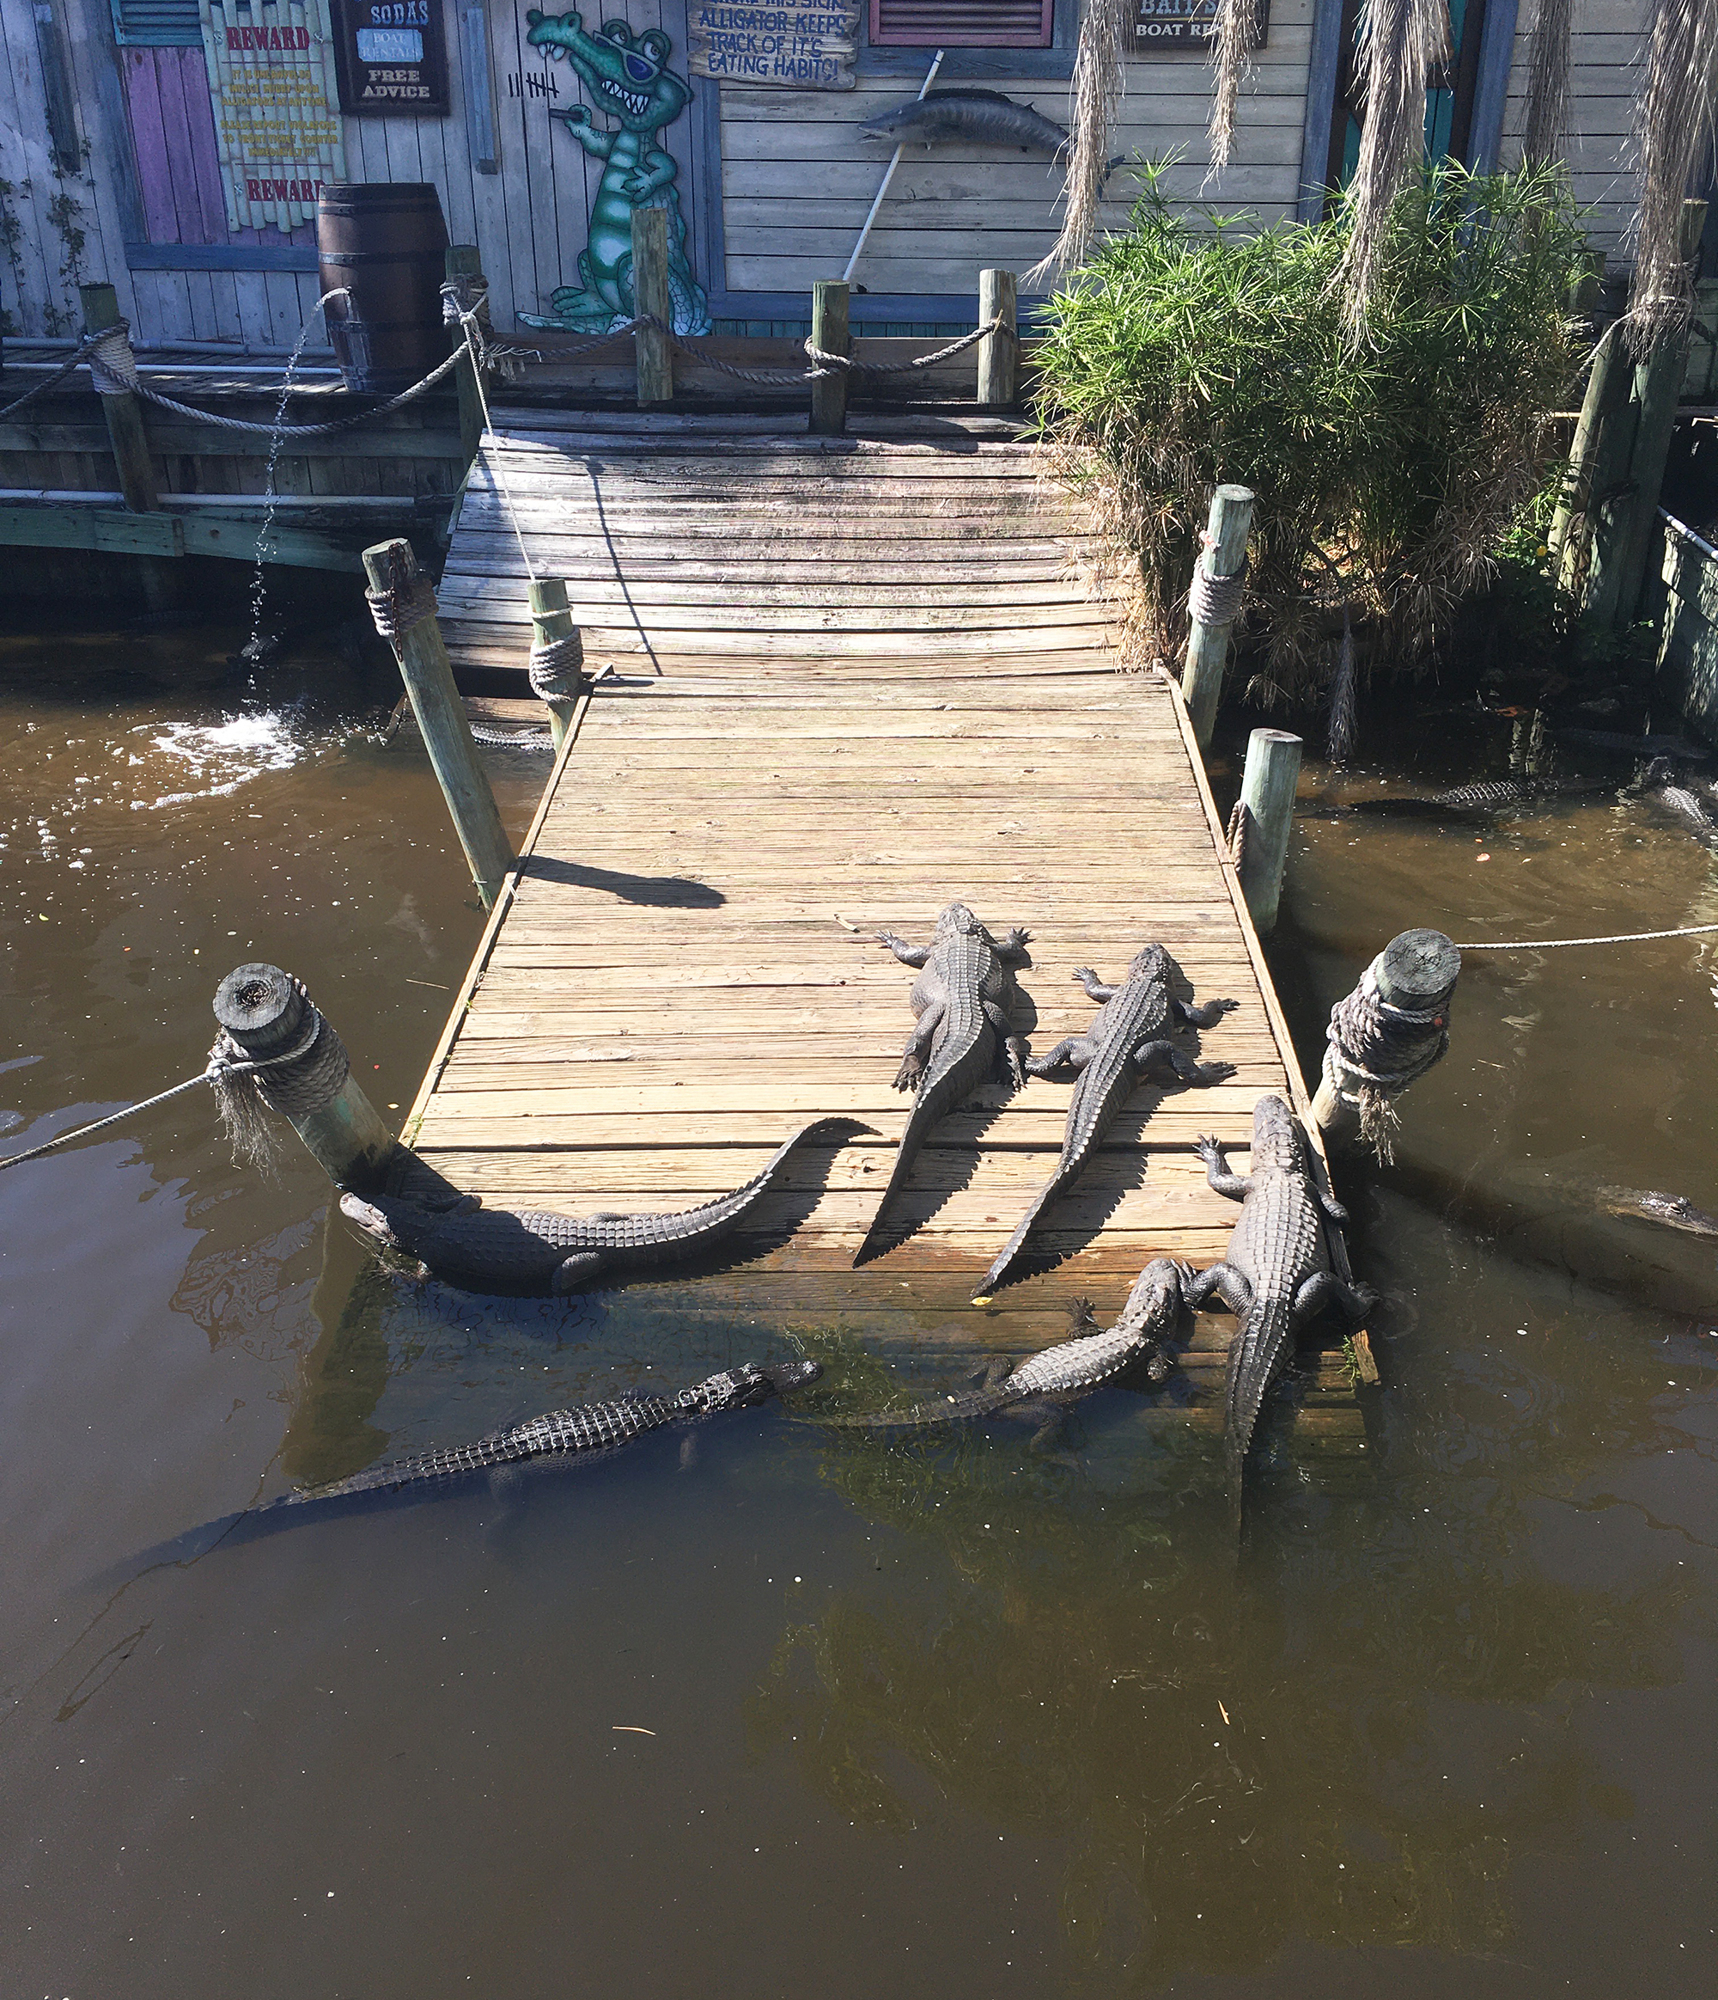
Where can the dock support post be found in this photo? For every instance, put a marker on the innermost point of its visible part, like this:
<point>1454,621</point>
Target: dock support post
<point>829,334</point>
<point>652,347</point>
<point>1215,603</point>
<point>1264,817</point>
<point>1387,1033</point>
<point>465,269</point>
<point>999,353</point>
<point>403,606</point>
<point>557,654</point>
<point>265,1013</point>
<point>115,375</point>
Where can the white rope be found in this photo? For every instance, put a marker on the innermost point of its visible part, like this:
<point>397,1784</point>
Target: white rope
<point>220,1065</point>
<point>468,322</point>
<point>1624,937</point>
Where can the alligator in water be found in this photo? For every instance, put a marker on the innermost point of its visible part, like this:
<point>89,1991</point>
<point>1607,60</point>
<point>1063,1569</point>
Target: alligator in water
<point>1277,1272</point>
<point>1634,746</point>
<point>1659,785</point>
<point>1127,1042</point>
<point>512,739</point>
<point>501,1250</point>
<point>1675,1211</point>
<point>1058,1374</point>
<point>584,1432</point>
<point>960,1000</point>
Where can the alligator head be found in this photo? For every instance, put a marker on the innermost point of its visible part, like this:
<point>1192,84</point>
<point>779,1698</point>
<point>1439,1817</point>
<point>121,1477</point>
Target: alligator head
<point>736,1388</point>
<point>1152,963</point>
<point>626,77</point>
<point>1278,1143</point>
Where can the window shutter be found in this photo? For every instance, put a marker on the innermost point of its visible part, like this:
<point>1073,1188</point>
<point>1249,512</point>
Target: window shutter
<point>157,24</point>
<point>962,24</point>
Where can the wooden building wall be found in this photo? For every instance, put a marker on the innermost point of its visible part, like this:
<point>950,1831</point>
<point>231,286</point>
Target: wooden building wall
<point>774,185</point>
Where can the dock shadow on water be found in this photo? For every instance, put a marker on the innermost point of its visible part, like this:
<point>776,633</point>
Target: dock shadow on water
<point>765,1706</point>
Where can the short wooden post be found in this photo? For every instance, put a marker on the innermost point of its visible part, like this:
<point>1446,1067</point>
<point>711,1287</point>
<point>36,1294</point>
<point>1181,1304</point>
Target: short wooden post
<point>1416,971</point>
<point>829,333</point>
<point>267,1013</point>
<point>120,406</point>
<point>1267,793</point>
<point>652,346</point>
<point>559,685</point>
<point>999,354</point>
<point>403,605</point>
<point>465,268</point>
<point>1215,604</point>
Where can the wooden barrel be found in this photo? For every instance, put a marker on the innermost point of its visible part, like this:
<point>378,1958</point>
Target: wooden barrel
<point>386,243</point>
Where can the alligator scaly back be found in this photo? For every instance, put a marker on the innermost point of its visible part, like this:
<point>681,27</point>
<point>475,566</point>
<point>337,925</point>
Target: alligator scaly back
<point>960,1001</point>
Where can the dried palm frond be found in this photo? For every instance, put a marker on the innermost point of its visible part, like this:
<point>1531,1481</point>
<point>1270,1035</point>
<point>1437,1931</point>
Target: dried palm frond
<point>1096,94</point>
<point>1547,84</point>
<point>1231,56</point>
<point>1672,130</point>
<point>1400,43</point>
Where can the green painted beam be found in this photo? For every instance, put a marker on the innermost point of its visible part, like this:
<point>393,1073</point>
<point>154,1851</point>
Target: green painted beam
<point>113,530</point>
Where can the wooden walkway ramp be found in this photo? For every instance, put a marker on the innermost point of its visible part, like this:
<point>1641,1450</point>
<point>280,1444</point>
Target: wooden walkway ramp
<point>683,971</point>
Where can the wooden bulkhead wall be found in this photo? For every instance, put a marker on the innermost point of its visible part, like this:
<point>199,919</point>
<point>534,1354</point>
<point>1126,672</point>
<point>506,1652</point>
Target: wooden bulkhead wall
<point>107,166</point>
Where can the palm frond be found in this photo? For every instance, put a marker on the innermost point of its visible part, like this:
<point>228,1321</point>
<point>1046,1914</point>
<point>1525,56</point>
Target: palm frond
<point>1547,83</point>
<point>1673,125</point>
<point>1231,57</point>
<point>1095,94</point>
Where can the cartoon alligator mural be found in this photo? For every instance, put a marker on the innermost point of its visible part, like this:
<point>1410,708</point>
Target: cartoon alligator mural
<point>628,78</point>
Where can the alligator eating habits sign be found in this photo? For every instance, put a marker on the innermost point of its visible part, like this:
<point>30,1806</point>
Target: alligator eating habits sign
<point>791,48</point>
<point>277,127</point>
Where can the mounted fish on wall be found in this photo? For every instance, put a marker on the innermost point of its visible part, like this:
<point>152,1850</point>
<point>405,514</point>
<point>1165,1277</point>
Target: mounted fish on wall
<point>628,78</point>
<point>972,117</point>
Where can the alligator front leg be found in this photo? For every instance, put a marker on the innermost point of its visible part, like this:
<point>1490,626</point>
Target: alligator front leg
<point>1072,1052</point>
<point>1206,1016</point>
<point>1161,1055</point>
<point>578,122</point>
<point>1325,1288</point>
<point>1011,950</point>
<point>918,1048</point>
<point>1095,987</point>
<point>1228,1284</point>
<point>576,1271</point>
<point>909,954</point>
<point>1236,1186</point>
<point>654,171</point>
<point>1013,1047</point>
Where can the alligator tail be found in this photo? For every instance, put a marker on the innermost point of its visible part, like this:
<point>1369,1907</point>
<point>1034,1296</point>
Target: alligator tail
<point>930,1104</point>
<point>1255,1356</point>
<point>692,1228</point>
<point>1067,1172</point>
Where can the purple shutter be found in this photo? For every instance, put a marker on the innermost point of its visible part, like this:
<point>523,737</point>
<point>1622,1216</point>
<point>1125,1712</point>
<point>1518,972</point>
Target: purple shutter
<point>962,24</point>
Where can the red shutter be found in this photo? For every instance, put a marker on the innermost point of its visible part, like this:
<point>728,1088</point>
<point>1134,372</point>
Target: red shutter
<point>962,24</point>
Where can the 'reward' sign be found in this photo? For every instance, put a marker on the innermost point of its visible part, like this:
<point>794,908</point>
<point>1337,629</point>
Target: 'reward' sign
<point>791,48</point>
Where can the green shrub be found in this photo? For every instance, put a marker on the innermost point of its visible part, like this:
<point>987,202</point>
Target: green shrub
<point>1192,351</point>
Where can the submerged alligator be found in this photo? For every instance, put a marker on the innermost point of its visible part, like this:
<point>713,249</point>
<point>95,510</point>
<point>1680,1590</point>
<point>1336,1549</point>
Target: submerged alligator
<point>1127,1042</point>
<point>960,1001</point>
<point>1058,1374</point>
<point>1277,1272</point>
<point>583,1432</point>
<point>503,1250</point>
<point>1675,1211</point>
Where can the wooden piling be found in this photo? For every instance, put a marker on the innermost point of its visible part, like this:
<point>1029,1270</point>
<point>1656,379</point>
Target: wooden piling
<point>551,622</point>
<point>464,263</point>
<point>267,1014</point>
<point>1267,792</point>
<point>1223,556</point>
<point>829,332</point>
<point>397,594</point>
<point>1416,971</point>
<point>999,354</point>
<point>651,345</point>
<point>123,411</point>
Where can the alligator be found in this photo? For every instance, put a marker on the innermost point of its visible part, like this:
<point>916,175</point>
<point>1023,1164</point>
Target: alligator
<point>503,1250</point>
<point>1277,1272</point>
<point>1480,801</point>
<point>584,1432</point>
<point>1058,1374</point>
<point>1675,1211</point>
<point>1126,1042</point>
<point>628,78</point>
<point>511,739</point>
<point>1658,784</point>
<point>960,1001</point>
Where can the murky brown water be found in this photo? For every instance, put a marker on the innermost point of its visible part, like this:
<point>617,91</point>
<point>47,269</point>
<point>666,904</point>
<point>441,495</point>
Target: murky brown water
<point>972,1721</point>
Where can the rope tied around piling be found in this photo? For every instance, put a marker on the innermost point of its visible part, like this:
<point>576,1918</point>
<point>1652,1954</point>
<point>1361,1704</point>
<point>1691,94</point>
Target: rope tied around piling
<point>556,668</point>
<point>1239,820</point>
<point>230,1070</point>
<point>1375,1049</point>
<point>112,365</point>
<point>407,601</point>
<point>1215,600</point>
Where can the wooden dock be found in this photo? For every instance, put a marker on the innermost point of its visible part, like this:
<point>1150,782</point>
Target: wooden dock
<point>791,754</point>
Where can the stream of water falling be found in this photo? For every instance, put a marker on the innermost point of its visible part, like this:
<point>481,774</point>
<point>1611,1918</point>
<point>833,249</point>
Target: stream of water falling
<point>787,1714</point>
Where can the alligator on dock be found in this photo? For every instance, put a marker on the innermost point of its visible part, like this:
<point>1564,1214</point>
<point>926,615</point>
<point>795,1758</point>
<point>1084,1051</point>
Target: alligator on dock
<point>1277,1273</point>
<point>960,1001</point>
<point>505,1250</point>
<point>1056,1375</point>
<point>1127,1042</point>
